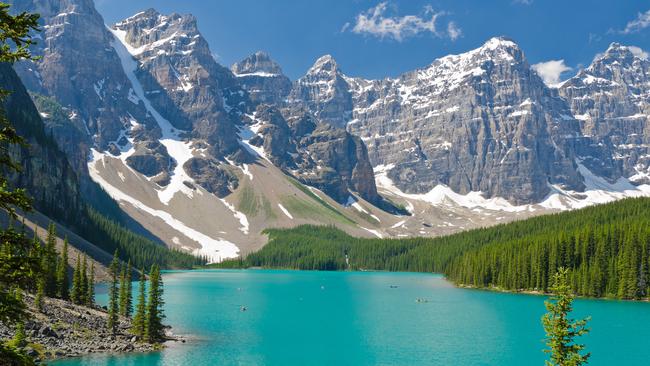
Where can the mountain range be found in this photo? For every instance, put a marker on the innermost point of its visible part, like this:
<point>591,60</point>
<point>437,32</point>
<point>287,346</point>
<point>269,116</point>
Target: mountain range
<point>204,157</point>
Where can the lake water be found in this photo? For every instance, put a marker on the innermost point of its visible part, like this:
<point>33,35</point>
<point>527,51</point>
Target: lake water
<point>342,318</point>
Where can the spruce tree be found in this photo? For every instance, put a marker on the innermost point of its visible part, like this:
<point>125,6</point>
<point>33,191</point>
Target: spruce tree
<point>113,306</point>
<point>75,293</point>
<point>126,306</point>
<point>137,327</point>
<point>50,261</point>
<point>561,331</point>
<point>83,289</point>
<point>62,280</point>
<point>153,327</point>
<point>123,290</point>
<point>90,295</point>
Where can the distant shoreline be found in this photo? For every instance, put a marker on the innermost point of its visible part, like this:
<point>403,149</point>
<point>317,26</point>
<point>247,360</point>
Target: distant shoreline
<point>462,286</point>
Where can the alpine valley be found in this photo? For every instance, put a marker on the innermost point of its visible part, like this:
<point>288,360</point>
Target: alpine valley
<point>204,157</point>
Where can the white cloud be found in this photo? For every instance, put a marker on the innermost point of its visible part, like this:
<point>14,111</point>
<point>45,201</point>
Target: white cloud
<point>522,2</point>
<point>375,22</point>
<point>453,31</point>
<point>641,22</point>
<point>550,71</point>
<point>638,52</point>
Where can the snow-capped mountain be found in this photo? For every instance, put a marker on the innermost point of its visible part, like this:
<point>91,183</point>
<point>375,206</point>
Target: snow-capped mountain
<point>478,121</point>
<point>176,75</point>
<point>611,98</point>
<point>165,130</point>
<point>205,157</point>
<point>82,72</point>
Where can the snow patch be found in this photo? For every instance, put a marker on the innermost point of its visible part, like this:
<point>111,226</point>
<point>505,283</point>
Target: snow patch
<point>399,224</point>
<point>179,150</point>
<point>598,190</point>
<point>257,73</point>
<point>243,220</point>
<point>246,170</point>
<point>215,249</point>
<point>286,212</point>
<point>374,232</point>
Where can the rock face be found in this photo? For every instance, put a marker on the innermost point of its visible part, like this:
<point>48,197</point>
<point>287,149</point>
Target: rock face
<point>46,173</point>
<point>611,98</point>
<point>479,121</point>
<point>318,154</point>
<point>262,78</point>
<point>325,92</point>
<point>181,79</point>
<point>67,128</point>
<point>209,174</point>
<point>81,71</point>
<point>335,149</point>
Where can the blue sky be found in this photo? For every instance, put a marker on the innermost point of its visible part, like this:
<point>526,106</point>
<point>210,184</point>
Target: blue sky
<point>375,39</point>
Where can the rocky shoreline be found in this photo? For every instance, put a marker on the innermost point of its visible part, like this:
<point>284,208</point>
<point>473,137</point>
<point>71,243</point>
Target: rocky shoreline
<point>63,330</point>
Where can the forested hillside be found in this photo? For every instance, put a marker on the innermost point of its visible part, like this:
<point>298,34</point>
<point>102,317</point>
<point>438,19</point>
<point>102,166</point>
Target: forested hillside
<point>606,249</point>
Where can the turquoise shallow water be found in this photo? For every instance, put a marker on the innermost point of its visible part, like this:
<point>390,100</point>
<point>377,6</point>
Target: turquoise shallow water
<point>343,318</point>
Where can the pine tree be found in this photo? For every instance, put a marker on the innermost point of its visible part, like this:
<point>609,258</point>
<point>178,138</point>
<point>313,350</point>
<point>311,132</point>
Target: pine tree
<point>126,306</point>
<point>90,295</point>
<point>561,331</point>
<point>123,290</point>
<point>154,329</point>
<point>62,280</point>
<point>139,316</point>
<point>113,306</point>
<point>83,289</point>
<point>50,261</point>
<point>75,293</point>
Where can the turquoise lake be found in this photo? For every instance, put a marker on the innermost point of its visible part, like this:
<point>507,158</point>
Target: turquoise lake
<point>369,318</point>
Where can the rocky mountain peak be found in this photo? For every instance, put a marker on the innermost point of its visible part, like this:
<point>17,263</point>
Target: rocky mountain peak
<point>259,63</point>
<point>499,49</point>
<point>326,92</point>
<point>262,77</point>
<point>611,98</point>
<point>500,42</point>
<point>618,62</point>
<point>149,31</point>
<point>324,65</point>
<point>616,55</point>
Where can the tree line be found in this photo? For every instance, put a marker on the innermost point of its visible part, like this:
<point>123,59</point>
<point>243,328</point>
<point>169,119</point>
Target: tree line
<point>605,249</point>
<point>143,252</point>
